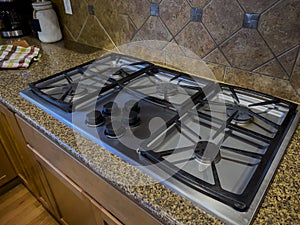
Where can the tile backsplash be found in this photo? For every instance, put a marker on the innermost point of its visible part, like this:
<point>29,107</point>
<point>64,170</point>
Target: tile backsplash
<point>248,43</point>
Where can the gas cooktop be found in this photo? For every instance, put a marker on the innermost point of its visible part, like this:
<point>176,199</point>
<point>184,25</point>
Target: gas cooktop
<point>216,144</point>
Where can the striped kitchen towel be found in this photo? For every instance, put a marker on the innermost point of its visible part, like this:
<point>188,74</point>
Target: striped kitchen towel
<point>12,56</point>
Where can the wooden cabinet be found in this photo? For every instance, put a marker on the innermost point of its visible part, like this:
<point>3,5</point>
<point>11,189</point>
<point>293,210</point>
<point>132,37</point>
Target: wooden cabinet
<point>7,173</point>
<point>11,140</point>
<point>102,216</point>
<point>108,204</point>
<point>26,167</point>
<point>73,205</point>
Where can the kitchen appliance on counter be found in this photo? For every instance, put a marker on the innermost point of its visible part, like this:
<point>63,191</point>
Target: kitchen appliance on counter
<point>216,144</point>
<point>49,30</point>
<point>15,17</point>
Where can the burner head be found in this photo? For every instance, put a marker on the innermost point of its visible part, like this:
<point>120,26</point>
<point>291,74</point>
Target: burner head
<point>167,89</point>
<point>132,105</point>
<point>110,109</point>
<point>94,119</point>
<point>243,115</point>
<point>207,152</point>
<point>114,130</point>
<point>132,119</point>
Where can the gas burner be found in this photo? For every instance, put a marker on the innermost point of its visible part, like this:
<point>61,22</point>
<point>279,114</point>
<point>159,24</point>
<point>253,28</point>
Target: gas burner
<point>94,119</point>
<point>114,130</point>
<point>207,152</point>
<point>132,119</point>
<point>167,89</point>
<point>111,109</point>
<point>74,90</point>
<point>243,115</point>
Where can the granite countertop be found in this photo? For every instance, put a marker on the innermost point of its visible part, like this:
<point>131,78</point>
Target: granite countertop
<point>281,204</point>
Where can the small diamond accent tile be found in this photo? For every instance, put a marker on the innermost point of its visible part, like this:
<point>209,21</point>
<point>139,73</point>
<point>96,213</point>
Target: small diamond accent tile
<point>154,9</point>
<point>91,10</point>
<point>175,14</point>
<point>196,14</point>
<point>251,21</point>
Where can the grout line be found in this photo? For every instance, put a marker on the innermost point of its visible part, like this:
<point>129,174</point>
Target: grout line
<point>295,62</point>
<point>207,4</point>
<point>138,29</point>
<point>225,72</point>
<point>282,67</point>
<point>69,32</point>
<point>188,2</point>
<point>209,34</point>
<point>82,28</point>
<point>173,36</point>
<point>242,8</point>
<point>219,45</point>
<point>184,26</point>
<point>270,7</point>
<point>107,34</point>
<point>131,21</point>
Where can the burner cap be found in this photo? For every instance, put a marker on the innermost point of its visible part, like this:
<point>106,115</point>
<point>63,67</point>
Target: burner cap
<point>167,89</point>
<point>243,115</point>
<point>132,119</point>
<point>110,109</point>
<point>114,130</point>
<point>132,105</point>
<point>207,152</point>
<point>94,119</point>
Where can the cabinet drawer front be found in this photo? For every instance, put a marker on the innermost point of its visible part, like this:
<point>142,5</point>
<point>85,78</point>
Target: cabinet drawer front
<point>114,201</point>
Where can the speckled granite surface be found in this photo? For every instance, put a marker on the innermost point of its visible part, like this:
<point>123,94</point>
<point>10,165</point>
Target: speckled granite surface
<point>280,206</point>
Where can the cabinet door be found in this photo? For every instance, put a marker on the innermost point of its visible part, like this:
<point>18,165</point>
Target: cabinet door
<point>10,143</point>
<point>15,146</point>
<point>7,172</point>
<point>103,217</point>
<point>44,193</point>
<point>73,206</point>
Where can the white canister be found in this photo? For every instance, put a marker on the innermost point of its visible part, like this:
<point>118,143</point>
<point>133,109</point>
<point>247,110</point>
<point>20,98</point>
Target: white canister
<point>50,30</point>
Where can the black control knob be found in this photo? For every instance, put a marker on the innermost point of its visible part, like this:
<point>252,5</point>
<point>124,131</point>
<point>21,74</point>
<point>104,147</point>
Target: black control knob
<point>114,130</point>
<point>94,119</point>
<point>132,105</point>
<point>110,109</point>
<point>132,119</point>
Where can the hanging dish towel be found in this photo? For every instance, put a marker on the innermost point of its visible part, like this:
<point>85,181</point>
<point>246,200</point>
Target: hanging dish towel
<point>12,56</point>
